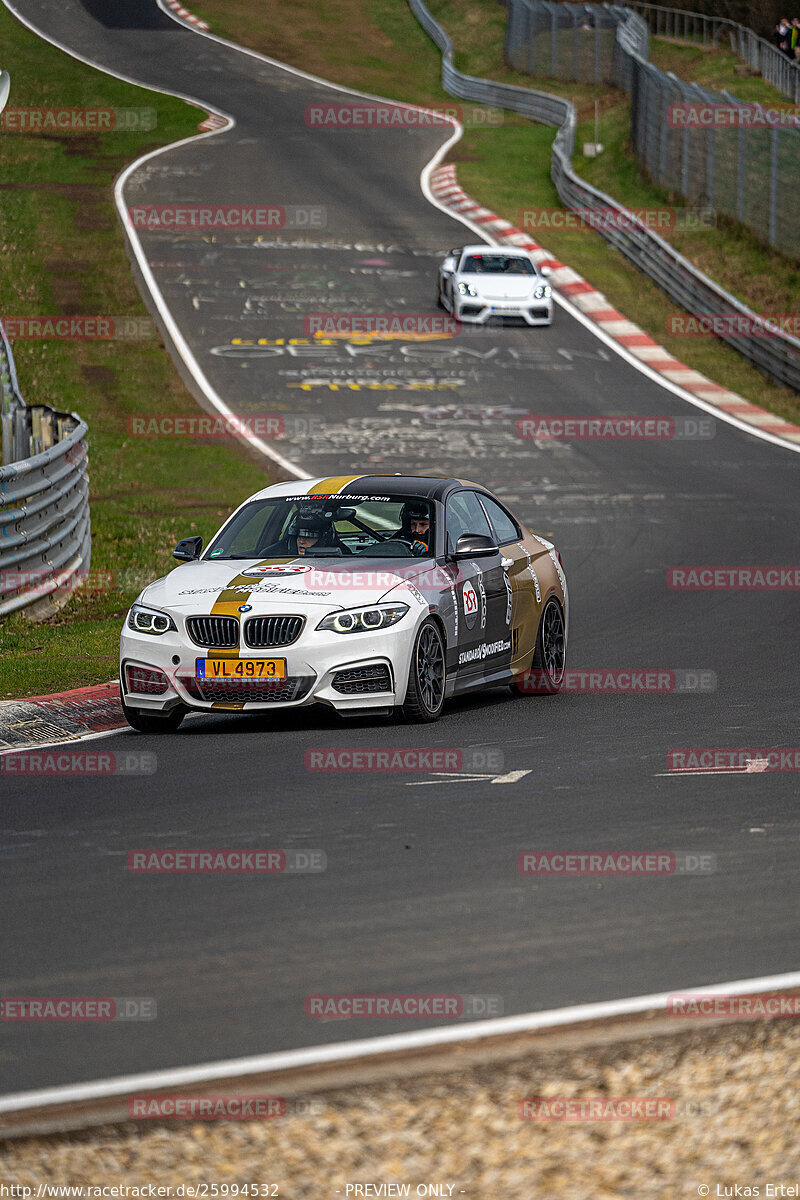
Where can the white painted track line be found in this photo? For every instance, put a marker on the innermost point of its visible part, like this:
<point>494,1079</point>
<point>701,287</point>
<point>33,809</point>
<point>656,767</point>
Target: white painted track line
<point>342,1052</point>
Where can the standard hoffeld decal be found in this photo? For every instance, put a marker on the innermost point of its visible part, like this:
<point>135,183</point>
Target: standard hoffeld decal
<point>484,650</point>
<point>470,601</point>
<point>454,599</point>
<point>482,591</point>
<point>533,574</point>
<point>557,565</point>
<point>509,595</point>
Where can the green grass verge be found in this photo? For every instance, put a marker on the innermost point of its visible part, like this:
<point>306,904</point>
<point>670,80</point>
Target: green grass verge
<point>64,253</point>
<point>382,49</point>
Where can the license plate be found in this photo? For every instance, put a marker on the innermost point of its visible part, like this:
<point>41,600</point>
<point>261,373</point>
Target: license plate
<point>240,668</point>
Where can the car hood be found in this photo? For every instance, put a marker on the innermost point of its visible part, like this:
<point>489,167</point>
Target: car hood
<point>503,287</point>
<point>281,586</point>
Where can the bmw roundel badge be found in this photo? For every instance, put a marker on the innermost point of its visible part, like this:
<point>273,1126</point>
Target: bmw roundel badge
<point>245,607</point>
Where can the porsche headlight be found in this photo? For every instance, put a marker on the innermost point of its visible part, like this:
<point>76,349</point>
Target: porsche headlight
<point>150,620</point>
<point>542,292</point>
<point>363,620</point>
<point>466,289</point>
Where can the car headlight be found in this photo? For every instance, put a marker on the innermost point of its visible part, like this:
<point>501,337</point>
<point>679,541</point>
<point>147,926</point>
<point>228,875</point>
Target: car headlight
<point>466,289</point>
<point>364,620</point>
<point>150,620</point>
<point>542,292</point>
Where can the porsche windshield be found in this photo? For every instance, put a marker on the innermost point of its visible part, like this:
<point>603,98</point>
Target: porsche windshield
<point>496,264</point>
<point>328,527</point>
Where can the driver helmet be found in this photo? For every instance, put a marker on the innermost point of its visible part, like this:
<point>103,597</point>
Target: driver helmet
<point>415,514</point>
<point>314,525</point>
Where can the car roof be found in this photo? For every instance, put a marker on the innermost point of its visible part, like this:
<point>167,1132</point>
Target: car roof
<point>431,487</point>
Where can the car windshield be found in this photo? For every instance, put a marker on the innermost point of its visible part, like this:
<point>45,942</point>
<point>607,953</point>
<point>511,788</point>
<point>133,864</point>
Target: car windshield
<point>328,527</point>
<point>496,264</point>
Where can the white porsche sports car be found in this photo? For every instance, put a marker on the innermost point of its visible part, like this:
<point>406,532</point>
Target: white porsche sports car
<point>365,592</point>
<point>481,283</point>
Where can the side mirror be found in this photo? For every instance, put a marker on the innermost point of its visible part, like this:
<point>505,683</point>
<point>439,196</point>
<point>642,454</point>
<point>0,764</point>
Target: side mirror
<point>546,271</point>
<point>474,545</point>
<point>188,549</point>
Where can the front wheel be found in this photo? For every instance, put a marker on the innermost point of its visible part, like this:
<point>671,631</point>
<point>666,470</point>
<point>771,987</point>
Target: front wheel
<point>426,680</point>
<point>149,722</point>
<point>549,658</point>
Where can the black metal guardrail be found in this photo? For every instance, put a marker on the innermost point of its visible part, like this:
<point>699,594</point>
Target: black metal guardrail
<point>45,526</point>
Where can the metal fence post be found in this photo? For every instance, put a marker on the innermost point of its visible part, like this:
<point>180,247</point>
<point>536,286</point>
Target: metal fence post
<point>710,151</point>
<point>773,187</point>
<point>741,149</point>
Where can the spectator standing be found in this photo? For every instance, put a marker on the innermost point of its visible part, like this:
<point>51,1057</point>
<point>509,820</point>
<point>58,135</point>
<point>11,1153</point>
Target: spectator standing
<point>783,36</point>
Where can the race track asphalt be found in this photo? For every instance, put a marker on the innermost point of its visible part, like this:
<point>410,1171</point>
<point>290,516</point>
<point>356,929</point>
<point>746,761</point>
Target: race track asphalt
<point>421,892</point>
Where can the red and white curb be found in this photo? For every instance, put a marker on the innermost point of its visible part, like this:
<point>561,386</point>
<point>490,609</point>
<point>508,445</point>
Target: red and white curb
<point>62,717</point>
<point>595,306</point>
<point>214,121</point>
<point>186,16</point>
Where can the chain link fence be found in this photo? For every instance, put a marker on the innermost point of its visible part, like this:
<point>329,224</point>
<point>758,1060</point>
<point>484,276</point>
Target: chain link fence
<point>45,530</point>
<point>774,352</point>
<point>717,151</point>
<point>761,56</point>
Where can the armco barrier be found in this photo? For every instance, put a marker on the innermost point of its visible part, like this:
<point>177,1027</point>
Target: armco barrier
<point>45,532</point>
<point>775,354</point>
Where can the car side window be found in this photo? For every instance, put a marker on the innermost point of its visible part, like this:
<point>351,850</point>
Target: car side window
<point>465,515</point>
<point>505,528</point>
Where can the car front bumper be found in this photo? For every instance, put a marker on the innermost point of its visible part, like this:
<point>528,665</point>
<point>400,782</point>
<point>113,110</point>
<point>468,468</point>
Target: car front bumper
<point>475,310</point>
<point>345,671</point>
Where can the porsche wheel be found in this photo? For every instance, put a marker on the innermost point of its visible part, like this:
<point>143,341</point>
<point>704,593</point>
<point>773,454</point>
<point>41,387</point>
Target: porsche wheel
<point>148,722</point>
<point>549,658</point>
<point>426,681</point>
